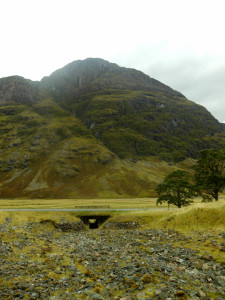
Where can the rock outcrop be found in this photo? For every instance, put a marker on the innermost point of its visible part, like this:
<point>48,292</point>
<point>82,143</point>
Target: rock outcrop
<point>16,89</point>
<point>91,75</point>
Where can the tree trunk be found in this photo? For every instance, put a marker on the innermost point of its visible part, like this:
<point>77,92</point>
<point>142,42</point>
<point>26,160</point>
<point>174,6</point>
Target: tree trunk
<point>216,194</point>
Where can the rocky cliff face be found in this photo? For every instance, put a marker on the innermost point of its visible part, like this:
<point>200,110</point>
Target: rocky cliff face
<point>16,89</point>
<point>94,129</point>
<point>93,75</point>
<point>75,79</point>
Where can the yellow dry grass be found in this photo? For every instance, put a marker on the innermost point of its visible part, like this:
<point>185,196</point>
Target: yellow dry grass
<point>19,217</point>
<point>198,216</point>
<point>83,203</point>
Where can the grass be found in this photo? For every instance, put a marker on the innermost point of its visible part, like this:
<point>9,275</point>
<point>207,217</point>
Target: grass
<point>80,203</point>
<point>24,217</point>
<point>198,216</point>
<point>83,203</point>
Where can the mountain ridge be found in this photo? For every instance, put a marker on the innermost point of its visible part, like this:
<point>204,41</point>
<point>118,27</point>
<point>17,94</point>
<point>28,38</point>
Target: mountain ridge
<point>116,77</point>
<point>82,73</point>
<point>94,129</point>
<point>17,89</point>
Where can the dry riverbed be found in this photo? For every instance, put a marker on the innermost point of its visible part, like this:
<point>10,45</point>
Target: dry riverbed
<point>67,261</point>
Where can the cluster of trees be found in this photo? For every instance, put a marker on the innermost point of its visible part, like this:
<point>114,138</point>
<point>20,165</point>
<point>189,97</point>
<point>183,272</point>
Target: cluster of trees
<point>179,187</point>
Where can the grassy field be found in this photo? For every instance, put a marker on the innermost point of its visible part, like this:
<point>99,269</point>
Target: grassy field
<point>198,216</point>
<point>84,203</point>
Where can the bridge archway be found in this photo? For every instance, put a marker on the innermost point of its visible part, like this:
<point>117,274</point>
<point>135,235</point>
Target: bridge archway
<point>94,221</point>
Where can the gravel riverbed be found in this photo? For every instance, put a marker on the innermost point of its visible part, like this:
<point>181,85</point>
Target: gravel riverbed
<point>39,261</point>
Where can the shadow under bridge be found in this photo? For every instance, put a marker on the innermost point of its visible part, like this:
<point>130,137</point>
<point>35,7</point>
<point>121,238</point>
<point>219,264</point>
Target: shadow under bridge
<point>93,221</point>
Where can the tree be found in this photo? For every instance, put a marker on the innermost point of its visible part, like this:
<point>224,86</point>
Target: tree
<point>210,174</point>
<point>176,189</point>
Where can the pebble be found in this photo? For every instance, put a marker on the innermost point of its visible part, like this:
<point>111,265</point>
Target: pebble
<point>120,263</point>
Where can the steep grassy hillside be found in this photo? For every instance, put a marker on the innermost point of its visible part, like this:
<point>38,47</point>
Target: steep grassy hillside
<point>140,124</point>
<point>94,129</point>
<point>47,152</point>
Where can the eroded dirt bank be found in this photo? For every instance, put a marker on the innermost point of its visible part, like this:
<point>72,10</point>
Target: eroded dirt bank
<point>41,261</point>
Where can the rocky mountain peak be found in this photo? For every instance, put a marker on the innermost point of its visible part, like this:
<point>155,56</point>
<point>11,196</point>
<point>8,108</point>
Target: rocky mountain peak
<point>76,78</point>
<point>94,74</point>
<point>76,75</point>
<point>16,89</point>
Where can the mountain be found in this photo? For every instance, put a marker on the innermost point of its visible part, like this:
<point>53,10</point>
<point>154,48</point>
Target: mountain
<point>93,75</point>
<point>16,89</point>
<point>94,129</point>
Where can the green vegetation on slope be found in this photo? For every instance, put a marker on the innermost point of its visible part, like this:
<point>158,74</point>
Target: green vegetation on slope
<point>93,129</point>
<point>47,152</point>
<point>140,124</point>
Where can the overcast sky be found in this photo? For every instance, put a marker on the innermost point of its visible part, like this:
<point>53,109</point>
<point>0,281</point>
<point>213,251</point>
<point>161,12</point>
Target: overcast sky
<point>179,42</point>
